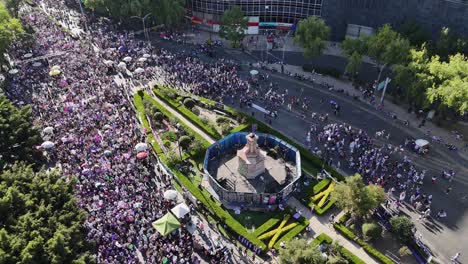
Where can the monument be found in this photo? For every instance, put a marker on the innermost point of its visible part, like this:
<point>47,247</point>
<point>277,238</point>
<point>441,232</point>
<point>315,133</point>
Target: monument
<point>251,158</point>
<point>256,170</point>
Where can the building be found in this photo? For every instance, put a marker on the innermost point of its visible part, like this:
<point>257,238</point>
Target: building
<point>345,17</point>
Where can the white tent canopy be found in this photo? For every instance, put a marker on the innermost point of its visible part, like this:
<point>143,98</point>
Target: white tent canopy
<point>55,67</point>
<point>36,64</point>
<point>253,72</point>
<point>48,130</point>
<point>13,71</point>
<point>141,147</point>
<point>146,55</point>
<point>143,59</point>
<point>108,62</point>
<point>127,59</point>
<point>180,210</point>
<point>139,70</point>
<point>421,143</point>
<point>170,195</point>
<point>122,65</point>
<point>48,144</point>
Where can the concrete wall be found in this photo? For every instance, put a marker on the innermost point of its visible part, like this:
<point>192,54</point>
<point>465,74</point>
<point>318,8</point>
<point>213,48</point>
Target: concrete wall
<point>432,14</point>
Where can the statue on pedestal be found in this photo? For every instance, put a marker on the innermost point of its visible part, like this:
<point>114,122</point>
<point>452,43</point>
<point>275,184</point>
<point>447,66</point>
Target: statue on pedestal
<point>251,158</point>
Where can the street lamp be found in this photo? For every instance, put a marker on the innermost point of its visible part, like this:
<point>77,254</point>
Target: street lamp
<point>284,43</point>
<point>144,26</point>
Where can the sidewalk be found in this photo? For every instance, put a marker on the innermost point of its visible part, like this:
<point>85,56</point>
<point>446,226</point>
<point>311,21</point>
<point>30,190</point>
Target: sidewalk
<point>320,224</point>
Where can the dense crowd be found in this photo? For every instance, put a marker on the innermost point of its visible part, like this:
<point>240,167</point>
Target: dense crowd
<point>87,117</point>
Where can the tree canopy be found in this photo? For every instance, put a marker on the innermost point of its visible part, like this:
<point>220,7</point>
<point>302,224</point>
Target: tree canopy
<point>311,34</point>
<point>449,82</point>
<point>431,80</point>
<point>39,219</point>
<point>167,12</point>
<point>233,26</point>
<point>18,137</point>
<point>9,28</point>
<point>297,251</point>
<point>357,198</point>
<point>402,227</point>
<point>387,47</point>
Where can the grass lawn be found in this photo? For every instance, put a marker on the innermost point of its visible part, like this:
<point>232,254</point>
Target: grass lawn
<point>250,219</point>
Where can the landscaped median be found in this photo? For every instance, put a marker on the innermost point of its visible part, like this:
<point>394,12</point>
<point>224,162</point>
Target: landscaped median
<point>341,227</point>
<point>348,255</point>
<point>209,203</point>
<point>184,111</point>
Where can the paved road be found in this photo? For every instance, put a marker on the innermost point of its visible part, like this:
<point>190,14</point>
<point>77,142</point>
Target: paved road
<point>451,233</point>
<point>445,237</point>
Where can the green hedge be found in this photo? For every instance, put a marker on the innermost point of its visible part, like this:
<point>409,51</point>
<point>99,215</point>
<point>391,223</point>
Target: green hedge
<point>187,113</point>
<point>348,255</point>
<point>169,115</point>
<point>140,108</point>
<point>269,224</point>
<point>366,246</point>
<point>212,205</point>
<point>303,223</point>
<point>321,185</point>
<point>202,195</point>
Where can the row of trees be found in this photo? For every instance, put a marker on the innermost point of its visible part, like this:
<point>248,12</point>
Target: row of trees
<point>10,28</point>
<point>168,12</point>
<point>429,73</point>
<point>40,221</point>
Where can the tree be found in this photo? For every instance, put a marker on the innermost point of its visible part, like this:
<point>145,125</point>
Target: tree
<point>411,77</point>
<point>337,260</point>
<point>449,82</point>
<point>233,26</point>
<point>184,142</point>
<point>354,63</point>
<point>311,34</point>
<point>387,47</point>
<point>371,230</point>
<point>357,198</point>
<point>13,6</point>
<point>39,219</point>
<point>402,227</point>
<point>414,32</point>
<point>170,13</point>
<point>18,137</point>
<point>297,251</point>
<point>448,44</point>
<point>9,29</point>
<point>167,12</point>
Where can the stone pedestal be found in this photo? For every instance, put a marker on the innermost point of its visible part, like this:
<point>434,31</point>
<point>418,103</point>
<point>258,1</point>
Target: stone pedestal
<point>251,158</point>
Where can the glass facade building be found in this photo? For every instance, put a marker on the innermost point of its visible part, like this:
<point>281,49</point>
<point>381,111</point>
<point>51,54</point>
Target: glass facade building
<point>280,11</point>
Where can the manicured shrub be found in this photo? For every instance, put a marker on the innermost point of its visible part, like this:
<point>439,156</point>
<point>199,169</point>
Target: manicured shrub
<point>169,136</point>
<point>402,227</point>
<point>404,251</point>
<point>158,116</point>
<point>167,143</point>
<point>184,141</point>
<point>222,119</point>
<point>371,230</point>
<point>196,111</point>
<point>225,129</point>
<point>189,103</point>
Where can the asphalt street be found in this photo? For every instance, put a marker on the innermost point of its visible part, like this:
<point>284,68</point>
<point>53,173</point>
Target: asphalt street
<point>445,237</point>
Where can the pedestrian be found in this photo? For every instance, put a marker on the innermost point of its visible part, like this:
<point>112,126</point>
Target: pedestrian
<point>434,178</point>
<point>454,258</point>
<point>448,190</point>
<point>332,218</point>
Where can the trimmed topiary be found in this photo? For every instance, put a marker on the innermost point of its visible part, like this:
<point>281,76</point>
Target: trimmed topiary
<point>189,103</point>
<point>371,230</point>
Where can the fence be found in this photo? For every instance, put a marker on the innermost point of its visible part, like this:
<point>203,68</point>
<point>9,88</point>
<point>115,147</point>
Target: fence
<point>232,142</point>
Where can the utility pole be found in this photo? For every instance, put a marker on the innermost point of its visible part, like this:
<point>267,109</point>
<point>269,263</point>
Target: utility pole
<point>284,43</point>
<point>83,15</point>
<point>387,81</point>
<point>144,26</point>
